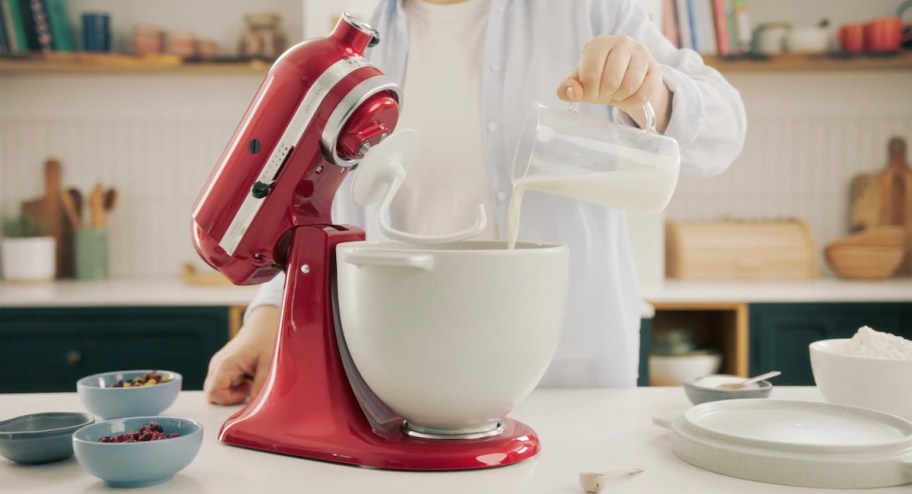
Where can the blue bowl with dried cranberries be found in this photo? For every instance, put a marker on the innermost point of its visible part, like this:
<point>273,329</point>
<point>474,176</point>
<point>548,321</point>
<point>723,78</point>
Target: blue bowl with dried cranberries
<point>133,393</point>
<point>137,451</point>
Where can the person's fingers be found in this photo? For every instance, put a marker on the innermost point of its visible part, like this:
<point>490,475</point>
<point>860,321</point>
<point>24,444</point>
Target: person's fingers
<point>634,76</point>
<point>591,65</point>
<point>616,64</point>
<point>651,85</point>
<point>570,89</point>
<point>225,385</point>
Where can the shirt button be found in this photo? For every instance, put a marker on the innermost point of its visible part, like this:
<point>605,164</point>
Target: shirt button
<point>495,68</point>
<point>492,127</point>
<point>501,196</point>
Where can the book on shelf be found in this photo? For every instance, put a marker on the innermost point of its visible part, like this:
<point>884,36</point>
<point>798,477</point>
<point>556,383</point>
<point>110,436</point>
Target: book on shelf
<point>4,44</point>
<point>709,27</point>
<point>35,25</point>
<point>41,24</point>
<point>60,25</point>
<point>15,27</point>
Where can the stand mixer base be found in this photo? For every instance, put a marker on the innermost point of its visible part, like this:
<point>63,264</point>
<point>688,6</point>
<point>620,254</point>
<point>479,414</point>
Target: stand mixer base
<point>360,446</point>
<point>307,407</point>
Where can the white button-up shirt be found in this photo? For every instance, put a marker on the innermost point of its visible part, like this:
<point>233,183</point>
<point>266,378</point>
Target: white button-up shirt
<point>530,47</point>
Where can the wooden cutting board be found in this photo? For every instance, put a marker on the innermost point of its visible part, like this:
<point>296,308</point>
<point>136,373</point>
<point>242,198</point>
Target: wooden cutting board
<point>47,211</point>
<point>885,198</point>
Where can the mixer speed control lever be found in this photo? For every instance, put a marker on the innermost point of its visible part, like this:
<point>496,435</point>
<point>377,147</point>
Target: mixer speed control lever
<point>260,190</point>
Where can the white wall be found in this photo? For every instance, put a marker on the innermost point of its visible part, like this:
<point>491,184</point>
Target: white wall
<point>220,20</point>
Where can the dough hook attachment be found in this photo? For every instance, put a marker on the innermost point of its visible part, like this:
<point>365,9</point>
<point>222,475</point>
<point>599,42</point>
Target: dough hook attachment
<point>381,174</point>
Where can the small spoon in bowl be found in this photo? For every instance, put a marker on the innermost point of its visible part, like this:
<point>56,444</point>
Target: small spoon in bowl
<point>746,382</point>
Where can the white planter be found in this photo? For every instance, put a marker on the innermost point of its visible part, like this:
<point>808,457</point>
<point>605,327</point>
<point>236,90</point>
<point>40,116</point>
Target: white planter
<point>28,259</point>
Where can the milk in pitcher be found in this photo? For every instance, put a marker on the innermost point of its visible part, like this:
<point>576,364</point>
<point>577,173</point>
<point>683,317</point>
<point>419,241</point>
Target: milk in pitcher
<point>642,191</point>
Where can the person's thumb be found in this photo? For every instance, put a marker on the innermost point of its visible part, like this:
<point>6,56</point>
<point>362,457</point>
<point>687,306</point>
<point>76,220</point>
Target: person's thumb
<point>570,89</point>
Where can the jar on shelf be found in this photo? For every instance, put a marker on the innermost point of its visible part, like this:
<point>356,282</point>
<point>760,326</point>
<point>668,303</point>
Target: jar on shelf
<point>262,38</point>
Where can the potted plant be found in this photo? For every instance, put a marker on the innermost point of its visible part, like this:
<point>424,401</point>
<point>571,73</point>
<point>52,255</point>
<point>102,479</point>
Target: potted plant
<point>28,253</point>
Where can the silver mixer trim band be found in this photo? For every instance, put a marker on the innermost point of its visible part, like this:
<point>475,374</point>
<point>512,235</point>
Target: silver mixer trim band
<point>359,94</point>
<point>290,138</point>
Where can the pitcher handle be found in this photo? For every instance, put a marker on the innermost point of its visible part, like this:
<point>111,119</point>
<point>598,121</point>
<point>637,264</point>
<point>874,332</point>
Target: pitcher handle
<point>650,117</point>
<point>647,109</point>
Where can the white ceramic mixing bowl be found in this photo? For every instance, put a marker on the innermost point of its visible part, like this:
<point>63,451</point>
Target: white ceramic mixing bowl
<point>878,383</point>
<point>451,337</point>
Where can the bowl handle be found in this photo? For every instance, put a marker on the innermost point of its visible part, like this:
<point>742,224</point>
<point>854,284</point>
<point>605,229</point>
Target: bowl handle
<point>391,259</point>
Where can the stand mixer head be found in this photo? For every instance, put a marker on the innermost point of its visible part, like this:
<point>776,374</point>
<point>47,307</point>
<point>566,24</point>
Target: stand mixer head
<point>266,208</point>
<point>321,106</point>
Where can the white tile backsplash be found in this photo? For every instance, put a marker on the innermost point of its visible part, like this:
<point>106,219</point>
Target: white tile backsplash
<point>808,136</point>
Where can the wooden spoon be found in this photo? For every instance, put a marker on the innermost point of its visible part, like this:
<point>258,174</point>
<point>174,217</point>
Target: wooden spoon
<point>110,200</point>
<point>96,207</point>
<point>745,383</point>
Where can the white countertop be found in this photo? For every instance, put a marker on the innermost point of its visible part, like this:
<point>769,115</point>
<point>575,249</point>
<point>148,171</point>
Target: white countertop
<point>820,290</point>
<point>137,293</point>
<point>581,430</point>
<point>180,293</point>
<point>122,293</point>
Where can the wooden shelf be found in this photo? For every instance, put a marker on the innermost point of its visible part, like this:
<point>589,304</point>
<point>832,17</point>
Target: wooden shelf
<point>80,63</point>
<point>812,63</point>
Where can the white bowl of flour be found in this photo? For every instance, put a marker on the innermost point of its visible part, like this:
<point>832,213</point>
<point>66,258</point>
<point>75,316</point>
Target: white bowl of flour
<point>870,370</point>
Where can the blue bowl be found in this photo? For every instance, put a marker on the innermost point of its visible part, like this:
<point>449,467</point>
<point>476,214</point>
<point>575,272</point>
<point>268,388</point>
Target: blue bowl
<point>115,403</point>
<point>41,437</point>
<point>141,463</point>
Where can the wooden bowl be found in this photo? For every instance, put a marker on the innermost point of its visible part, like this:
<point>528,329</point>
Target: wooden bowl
<point>878,236</point>
<point>864,261</point>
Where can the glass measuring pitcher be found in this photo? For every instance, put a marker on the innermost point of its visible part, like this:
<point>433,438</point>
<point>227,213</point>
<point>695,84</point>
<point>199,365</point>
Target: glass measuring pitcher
<point>575,155</point>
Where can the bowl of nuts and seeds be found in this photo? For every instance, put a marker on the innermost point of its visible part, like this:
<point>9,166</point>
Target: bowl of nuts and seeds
<point>132,393</point>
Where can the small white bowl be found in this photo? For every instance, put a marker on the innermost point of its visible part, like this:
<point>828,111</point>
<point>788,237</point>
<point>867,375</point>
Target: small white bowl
<point>808,40</point>
<point>673,370</point>
<point>879,383</point>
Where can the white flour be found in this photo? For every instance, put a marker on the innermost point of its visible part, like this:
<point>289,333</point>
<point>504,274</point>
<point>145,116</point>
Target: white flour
<point>870,343</point>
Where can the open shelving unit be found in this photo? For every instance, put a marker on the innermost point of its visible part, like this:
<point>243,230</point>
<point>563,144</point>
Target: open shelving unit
<point>812,63</point>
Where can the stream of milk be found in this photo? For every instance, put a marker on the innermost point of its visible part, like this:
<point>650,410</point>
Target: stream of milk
<point>642,191</point>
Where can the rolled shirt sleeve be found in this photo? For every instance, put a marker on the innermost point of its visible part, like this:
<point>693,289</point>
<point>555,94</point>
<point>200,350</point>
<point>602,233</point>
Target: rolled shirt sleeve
<point>270,293</point>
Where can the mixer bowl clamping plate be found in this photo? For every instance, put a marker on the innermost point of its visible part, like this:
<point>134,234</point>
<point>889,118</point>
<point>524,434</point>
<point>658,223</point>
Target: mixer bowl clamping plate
<point>806,444</point>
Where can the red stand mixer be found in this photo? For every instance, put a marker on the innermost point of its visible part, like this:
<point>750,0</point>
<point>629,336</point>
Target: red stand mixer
<point>266,208</point>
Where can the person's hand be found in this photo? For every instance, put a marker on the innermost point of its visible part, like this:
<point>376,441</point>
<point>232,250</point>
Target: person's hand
<point>239,369</point>
<point>619,71</point>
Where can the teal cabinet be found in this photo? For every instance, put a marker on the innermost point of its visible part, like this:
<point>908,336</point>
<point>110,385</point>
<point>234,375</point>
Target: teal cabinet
<point>780,333</point>
<point>49,349</point>
<point>645,349</point>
